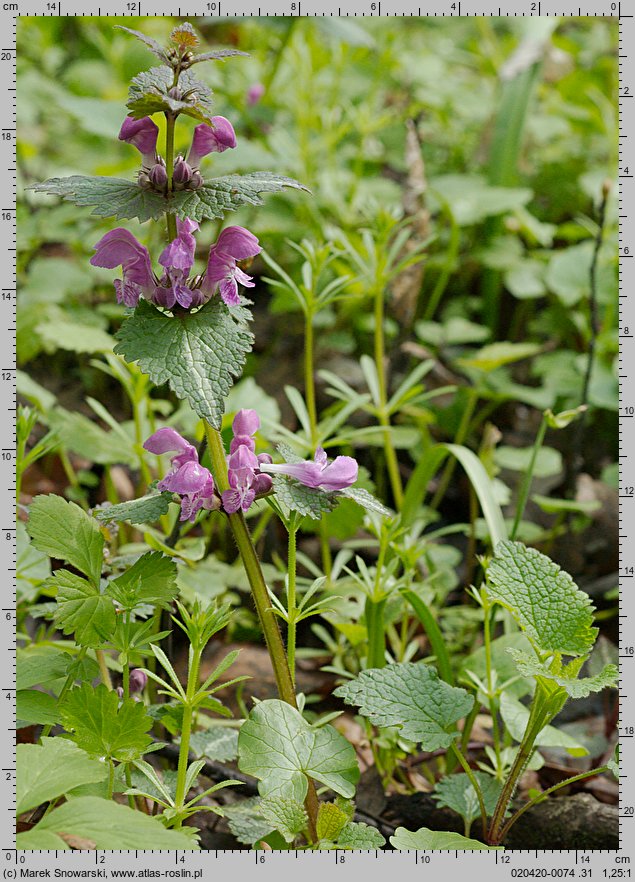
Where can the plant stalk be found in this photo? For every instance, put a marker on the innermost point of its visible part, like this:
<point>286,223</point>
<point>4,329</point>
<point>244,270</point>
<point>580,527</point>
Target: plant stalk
<point>392,464</point>
<point>523,496</point>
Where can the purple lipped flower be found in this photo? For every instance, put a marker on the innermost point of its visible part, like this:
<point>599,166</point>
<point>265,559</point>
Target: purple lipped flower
<point>223,273</point>
<point>192,481</point>
<point>208,139</point>
<point>120,248</point>
<point>181,174</point>
<point>245,480</point>
<point>142,134</point>
<point>255,93</point>
<point>319,473</point>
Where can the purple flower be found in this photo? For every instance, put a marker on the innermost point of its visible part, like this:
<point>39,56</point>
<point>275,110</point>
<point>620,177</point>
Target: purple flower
<point>120,248</point>
<point>138,680</point>
<point>319,473</point>
<point>142,134</point>
<point>192,481</point>
<point>223,274</point>
<point>255,93</point>
<point>208,139</point>
<point>245,480</point>
<point>181,174</point>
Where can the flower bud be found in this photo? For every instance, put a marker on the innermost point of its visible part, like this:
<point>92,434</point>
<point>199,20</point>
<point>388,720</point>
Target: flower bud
<point>182,174</point>
<point>158,177</point>
<point>138,680</point>
<point>175,93</point>
<point>197,180</point>
<point>255,93</point>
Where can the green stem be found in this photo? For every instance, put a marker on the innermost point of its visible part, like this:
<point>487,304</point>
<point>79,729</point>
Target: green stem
<point>170,120</point>
<point>139,439</point>
<point>433,633</point>
<point>535,723</point>
<point>392,464</point>
<point>186,729</point>
<point>309,379</point>
<point>468,725</point>
<point>126,695</point>
<point>291,600</point>
<point>493,704</point>
<point>590,774</point>
<point>525,487</point>
<point>111,779</point>
<point>446,271</point>
<point>474,782</point>
<point>70,679</point>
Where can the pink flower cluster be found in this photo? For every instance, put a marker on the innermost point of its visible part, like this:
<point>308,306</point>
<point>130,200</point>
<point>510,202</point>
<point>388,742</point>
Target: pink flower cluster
<point>120,248</point>
<point>245,480</point>
<point>192,481</point>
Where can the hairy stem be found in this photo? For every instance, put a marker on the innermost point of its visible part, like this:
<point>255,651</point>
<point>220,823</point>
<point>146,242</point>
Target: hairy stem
<point>100,655</point>
<point>170,120</point>
<point>474,782</point>
<point>291,601</point>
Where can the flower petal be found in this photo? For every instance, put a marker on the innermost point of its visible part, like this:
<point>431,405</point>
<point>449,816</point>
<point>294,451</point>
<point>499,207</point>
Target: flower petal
<point>168,440</point>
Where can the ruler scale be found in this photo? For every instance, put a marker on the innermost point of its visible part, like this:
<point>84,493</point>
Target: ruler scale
<point>596,865</point>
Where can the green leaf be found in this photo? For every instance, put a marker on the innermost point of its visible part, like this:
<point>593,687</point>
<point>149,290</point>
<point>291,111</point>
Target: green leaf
<point>108,197</point>
<point>51,769</point>
<point>484,489</point>
<point>82,610</point>
<point>62,530</point>
<point>219,744</point>
<point>366,500</point>
<point>496,355</point>
<point>306,501</point>
<point>277,746</point>
<point>457,793</point>
<point>547,463</point>
<point>74,336</point>
<point>544,600</point>
<point>426,840</point>
<point>199,354</point>
<point>287,816</point>
<point>108,825</point>
<point>516,716</point>
<point>216,55</point>
<point>151,579</point>
<point>32,567</point>
<point>219,195</point>
<point>33,706</point>
<point>331,820</point>
<point>410,696</point>
<point>246,821</point>
<point>360,836</point>
<point>149,93</point>
<point>85,437</point>
<point>151,44</point>
<point>471,199</point>
<point>40,840</point>
<point>145,510</point>
<point>502,664</point>
<point>103,728</point>
<point>564,676</point>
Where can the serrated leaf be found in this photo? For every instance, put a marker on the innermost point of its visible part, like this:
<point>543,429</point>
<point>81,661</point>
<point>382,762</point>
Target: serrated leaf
<point>109,197</point>
<point>149,93</point>
<point>306,501</point>
<point>51,769</point>
<point>216,55</point>
<point>425,840</point>
<point>287,816</point>
<point>151,44</point>
<point>277,746</point>
<point>457,793</point>
<point>33,706</point>
<point>544,600</point>
<point>219,195</point>
<point>199,354</point>
<point>103,728</point>
<point>564,676</point>
<point>151,579</point>
<point>82,609</point>
<point>356,835</point>
<point>246,821</point>
<point>32,566</point>
<point>331,820</point>
<point>219,744</point>
<point>145,510</point>
<point>366,500</point>
<point>109,825</point>
<point>412,697</point>
<point>64,531</point>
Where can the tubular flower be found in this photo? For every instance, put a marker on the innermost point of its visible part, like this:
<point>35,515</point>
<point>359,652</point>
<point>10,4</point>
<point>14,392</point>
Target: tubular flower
<point>319,473</point>
<point>208,139</point>
<point>255,93</point>
<point>192,481</point>
<point>245,480</point>
<point>223,273</point>
<point>142,134</point>
<point>120,248</point>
